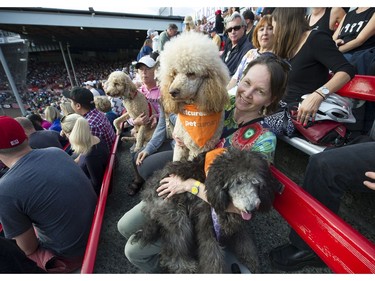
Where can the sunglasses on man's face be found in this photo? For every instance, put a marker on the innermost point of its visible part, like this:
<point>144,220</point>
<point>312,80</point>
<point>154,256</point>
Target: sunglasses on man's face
<point>235,28</point>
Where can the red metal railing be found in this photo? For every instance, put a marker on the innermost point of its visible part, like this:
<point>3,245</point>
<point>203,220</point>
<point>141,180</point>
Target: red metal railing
<point>341,247</point>
<point>93,240</point>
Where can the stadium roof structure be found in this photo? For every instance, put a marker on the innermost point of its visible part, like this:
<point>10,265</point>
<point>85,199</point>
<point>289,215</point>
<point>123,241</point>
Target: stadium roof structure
<point>83,30</point>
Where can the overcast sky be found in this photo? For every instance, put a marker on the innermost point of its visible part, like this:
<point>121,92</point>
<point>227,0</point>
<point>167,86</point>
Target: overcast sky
<point>148,7</point>
<point>180,8</point>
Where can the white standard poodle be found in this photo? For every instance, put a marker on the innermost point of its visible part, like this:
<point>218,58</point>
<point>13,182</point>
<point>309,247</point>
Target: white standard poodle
<point>193,81</point>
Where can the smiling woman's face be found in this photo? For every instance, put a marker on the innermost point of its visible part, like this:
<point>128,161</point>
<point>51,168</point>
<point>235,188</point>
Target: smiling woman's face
<point>254,90</point>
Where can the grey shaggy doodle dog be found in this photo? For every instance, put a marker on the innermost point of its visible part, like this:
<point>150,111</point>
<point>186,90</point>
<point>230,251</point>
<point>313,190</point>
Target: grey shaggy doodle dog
<point>184,222</point>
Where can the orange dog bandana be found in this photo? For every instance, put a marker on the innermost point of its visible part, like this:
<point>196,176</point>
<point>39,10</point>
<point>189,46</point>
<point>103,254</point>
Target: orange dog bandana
<point>200,126</point>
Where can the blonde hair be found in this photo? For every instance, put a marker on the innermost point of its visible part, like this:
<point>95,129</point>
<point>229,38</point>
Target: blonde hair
<point>66,108</point>
<point>51,113</point>
<point>68,121</point>
<point>80,138</point>
<point>102,103</point>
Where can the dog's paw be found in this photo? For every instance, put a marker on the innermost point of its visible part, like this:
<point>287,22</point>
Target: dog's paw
<point>183,266</point>
<point>128,139</point>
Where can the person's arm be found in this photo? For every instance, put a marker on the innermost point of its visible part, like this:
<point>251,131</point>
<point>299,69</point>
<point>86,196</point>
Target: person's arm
<point>27,241</point>
<point>175,185</point>
<point>337,14</point>
<point>326,53</point>
<point>156,140</point>
<point>367,32</point>
<point>310,105</point>
<point>369,184</point>
<point>335,35</point>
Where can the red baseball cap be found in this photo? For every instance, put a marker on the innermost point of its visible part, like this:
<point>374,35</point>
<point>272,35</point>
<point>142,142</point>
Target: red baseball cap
<point>11,133</point>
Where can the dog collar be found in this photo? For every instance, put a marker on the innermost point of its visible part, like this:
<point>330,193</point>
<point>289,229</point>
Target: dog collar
<point>136,93</point>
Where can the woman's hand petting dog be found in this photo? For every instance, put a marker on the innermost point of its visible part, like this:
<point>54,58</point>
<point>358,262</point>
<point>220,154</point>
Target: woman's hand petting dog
<point>141,156</point>
<point>369,184</point>
<point>178,141</point>
<point>175,185</point>
<point>144,119</point>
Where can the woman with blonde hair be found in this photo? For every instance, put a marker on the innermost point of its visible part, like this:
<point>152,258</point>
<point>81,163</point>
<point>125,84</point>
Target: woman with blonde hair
<point>93,152</point>
<point>190,25</point>
<point>66,108</point>
<point>53,116</point>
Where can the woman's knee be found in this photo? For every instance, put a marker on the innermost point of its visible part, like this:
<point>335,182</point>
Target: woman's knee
<point>131,221</point>
<point>145,257</point>
<point>122,227</point>
<point>132,250</point>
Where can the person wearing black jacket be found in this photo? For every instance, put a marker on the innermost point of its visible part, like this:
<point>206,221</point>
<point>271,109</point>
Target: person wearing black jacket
<point>237,45</point>
<point>219,22</point>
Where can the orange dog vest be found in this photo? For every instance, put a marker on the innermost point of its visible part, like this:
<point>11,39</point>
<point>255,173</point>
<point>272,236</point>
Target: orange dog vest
<point>200,126</point>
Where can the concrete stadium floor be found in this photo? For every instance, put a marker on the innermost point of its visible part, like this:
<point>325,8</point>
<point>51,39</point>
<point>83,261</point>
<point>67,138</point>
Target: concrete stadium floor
<point>269,230</point>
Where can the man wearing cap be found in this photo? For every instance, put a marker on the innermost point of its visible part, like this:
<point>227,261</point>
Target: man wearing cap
<point>46,201</point>
<point>146,71</point>
<point>215,37</point>
<point>82,101</point>
<point>91,86</point>
<point>238,45</point>
<point>166,35</point>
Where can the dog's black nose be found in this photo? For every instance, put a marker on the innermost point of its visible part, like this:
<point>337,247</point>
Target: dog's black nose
<point>174,92</point>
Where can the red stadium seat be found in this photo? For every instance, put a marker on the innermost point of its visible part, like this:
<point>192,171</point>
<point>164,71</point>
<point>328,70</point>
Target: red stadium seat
<point>361,87</point>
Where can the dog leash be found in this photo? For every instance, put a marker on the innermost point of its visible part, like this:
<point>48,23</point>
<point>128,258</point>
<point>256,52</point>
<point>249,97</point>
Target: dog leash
<point>215,221</point>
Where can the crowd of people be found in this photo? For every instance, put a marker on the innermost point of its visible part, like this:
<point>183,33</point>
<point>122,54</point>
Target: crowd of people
<point>274,56</point>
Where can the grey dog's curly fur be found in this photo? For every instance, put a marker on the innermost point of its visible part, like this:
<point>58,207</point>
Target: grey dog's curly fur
<point>184,223</point>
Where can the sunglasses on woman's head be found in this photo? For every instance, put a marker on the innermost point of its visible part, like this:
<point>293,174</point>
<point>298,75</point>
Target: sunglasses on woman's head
<point>236,28</point>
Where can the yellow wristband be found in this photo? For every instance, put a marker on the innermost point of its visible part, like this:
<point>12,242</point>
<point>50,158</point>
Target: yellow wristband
<point>195,188</point>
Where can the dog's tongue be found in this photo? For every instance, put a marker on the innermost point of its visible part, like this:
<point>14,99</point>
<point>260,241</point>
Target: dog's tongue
<point>246,216</point>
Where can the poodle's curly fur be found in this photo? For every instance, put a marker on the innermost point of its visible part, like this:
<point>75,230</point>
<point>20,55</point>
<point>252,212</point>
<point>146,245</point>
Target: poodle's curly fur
<point>184,223</point>
<point>120,85</point>
<point>192,72</point>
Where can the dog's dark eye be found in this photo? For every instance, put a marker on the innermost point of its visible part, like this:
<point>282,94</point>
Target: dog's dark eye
<point>173,73</point>
<point>190,74</point>
<point>239,182</point>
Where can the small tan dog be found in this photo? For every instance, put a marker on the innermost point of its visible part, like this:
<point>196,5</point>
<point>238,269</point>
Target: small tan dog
<point>193,81</point>
<point>119,84</point>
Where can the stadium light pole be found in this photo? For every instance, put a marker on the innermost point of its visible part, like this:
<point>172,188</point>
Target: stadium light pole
<point>11,82</point>
<point>66,65</point>
<point>71,63</point>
